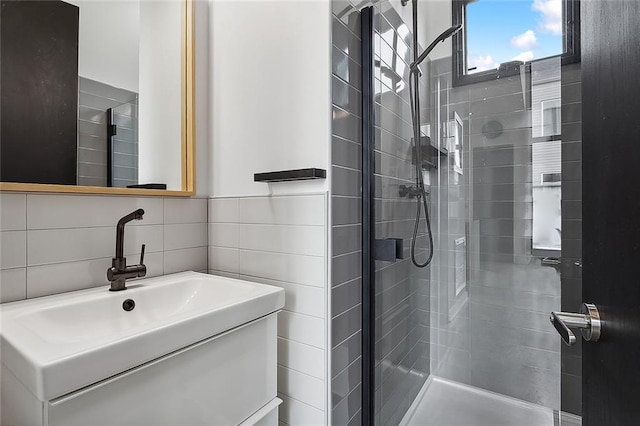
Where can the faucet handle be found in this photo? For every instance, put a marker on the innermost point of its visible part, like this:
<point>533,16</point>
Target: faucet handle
<point>142,255</point>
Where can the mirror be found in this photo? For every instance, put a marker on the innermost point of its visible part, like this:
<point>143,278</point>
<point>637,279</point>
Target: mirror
<point>97,96</point>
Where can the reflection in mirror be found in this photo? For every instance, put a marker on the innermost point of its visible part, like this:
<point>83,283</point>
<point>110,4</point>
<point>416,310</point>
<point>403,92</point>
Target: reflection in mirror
<point>92,93</point>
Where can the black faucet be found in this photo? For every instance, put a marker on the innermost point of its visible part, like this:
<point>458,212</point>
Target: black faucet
<point>119,271</point>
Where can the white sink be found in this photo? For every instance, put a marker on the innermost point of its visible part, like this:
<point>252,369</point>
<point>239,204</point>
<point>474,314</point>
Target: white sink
<point>58,344</point>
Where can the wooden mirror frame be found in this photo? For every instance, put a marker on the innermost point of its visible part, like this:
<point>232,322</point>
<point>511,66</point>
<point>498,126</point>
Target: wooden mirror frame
<point>188,133</point>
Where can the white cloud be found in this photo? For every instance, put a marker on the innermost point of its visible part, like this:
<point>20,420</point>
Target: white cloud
<point>551,11</point>
<point>482,63</point>
<point>524,41</point>
<point>524,56</point>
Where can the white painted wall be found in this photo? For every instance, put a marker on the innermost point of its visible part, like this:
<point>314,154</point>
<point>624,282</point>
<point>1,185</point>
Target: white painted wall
<point>108,49</point>
<point>202,146</point>
<point>270,103</point>
<point>270,93</point>
<point>434,16</point>
<point>160,101</point>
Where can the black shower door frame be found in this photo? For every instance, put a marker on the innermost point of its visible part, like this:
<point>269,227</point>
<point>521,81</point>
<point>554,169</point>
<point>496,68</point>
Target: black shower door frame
<point>368,224</point>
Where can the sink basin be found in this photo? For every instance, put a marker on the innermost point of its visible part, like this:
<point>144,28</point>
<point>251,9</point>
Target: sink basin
<point>57,344</point>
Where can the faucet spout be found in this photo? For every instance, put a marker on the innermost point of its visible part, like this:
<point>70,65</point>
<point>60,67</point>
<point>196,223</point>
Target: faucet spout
<point>136,215</point>
<point>119,271</point>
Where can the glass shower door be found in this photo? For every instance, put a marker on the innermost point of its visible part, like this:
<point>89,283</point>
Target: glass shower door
<point>471,330</point>
<point>401,290</point>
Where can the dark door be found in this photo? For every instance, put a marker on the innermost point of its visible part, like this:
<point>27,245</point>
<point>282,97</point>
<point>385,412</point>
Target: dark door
<point>611,208</point>
<point>39,85</point>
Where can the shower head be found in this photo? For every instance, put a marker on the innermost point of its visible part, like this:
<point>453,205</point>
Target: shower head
<point>449,32</point>
<point>442,37</point>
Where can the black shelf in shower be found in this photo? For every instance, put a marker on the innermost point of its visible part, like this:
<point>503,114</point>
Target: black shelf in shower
<point>430,153</point>
<point>290,175</point>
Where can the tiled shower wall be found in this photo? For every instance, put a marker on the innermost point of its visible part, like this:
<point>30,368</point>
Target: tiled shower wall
<point>346,221</point>
<point>571,272</point>
<point>449,195</point>
<point>401,289</point>
<point>51,244</point>
<point>500,340</point>
<point>402,298</point>
<point>93,101</point>
<point>281,241</point>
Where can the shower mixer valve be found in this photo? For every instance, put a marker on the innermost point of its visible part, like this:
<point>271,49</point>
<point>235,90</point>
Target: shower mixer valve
<point>412,191</point>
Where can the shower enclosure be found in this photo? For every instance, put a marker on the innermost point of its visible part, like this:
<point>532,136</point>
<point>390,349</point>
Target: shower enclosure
<point>469,335</point>
<point>122,144</point>
<point>516,113</point>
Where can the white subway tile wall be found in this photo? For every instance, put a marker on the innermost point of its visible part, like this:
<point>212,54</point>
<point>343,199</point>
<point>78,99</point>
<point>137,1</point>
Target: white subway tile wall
<point>282,241</point>
<point>12,212</point>
<point>56,243</point>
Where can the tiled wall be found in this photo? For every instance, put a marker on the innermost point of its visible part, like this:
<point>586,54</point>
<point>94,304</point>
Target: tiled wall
<point>281,241</point>
<point>56,243</point>
<point>501,339</point>
<point>402,301</point>
<point>346,221</point>
<point>571,272</point>
<point>449,345</point>
<point>93,101</point>
<point>402,290</point>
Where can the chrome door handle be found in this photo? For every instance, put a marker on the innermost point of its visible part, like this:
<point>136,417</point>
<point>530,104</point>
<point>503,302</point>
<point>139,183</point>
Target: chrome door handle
<point>588,321</point>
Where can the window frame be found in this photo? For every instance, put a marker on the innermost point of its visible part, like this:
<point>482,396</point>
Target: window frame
<point>570,42</point>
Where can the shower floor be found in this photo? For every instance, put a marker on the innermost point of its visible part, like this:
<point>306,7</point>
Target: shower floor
<point>442,402</point>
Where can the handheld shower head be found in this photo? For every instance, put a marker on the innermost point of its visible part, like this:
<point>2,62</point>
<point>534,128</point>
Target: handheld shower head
<point>415,118</point>
<point>442,37</point>
<point>450,31</point>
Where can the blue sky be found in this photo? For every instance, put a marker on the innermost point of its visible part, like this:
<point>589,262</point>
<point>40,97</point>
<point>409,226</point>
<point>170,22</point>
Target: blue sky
<point>503,30</point>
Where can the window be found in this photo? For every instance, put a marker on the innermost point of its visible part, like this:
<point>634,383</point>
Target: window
<point>500,36</point>
<point>551,111</point>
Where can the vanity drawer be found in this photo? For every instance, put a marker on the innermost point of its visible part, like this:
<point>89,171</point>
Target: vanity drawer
<point>222,380</point>
<point>266,416</point>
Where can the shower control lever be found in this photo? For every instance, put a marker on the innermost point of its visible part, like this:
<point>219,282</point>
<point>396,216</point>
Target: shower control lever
<point>389,249</point>
<point>412,191</point>
<point>588,321</point>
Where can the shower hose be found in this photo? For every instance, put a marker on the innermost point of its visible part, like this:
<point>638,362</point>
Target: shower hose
<point>421,199</point>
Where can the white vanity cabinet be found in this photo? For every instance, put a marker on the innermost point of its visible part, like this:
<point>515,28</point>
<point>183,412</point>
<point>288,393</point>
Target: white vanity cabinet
<point>227,378</point>
<point>223,380</point>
